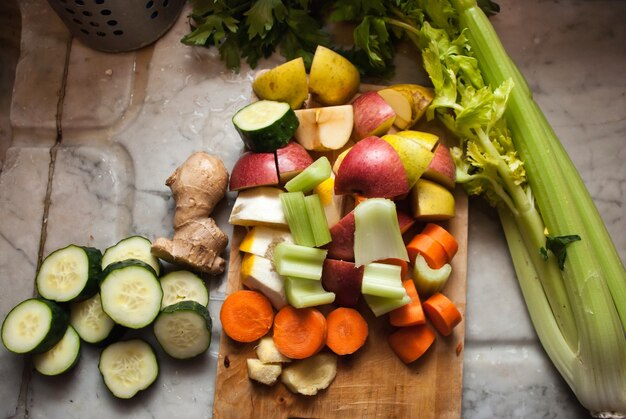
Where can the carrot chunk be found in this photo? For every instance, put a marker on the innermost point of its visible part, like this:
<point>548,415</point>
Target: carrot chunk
<point>246,315</point>
<point>410,343</point>
<point>433,252</point>
<point>442,313</point>
<point>347,330</point>
<point>299,332</point>
<point>443,237</point>
<point>411,314</point>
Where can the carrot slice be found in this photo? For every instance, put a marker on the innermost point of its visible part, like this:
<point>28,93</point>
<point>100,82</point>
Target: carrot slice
<point>403,264</point>
<point>246,315</point>
<point>410,314</point>
<point>433,252</point>
<point>442,313</point>
<point>411,342</point>
<point>299,332</point>
<point>347,330</point>
<point>443,237</point>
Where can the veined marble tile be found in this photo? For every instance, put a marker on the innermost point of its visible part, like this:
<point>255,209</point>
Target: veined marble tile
<point>23,183</point>
<point>40,70</point>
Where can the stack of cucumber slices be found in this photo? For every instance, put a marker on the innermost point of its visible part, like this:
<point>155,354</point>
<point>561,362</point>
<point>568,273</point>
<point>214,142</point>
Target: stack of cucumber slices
<point>87,296</point>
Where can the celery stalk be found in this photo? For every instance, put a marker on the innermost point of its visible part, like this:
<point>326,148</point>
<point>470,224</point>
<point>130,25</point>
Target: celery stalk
<point>382,280</point>
<point>309,178</point>
<point>317,220</point>
<point>579,313</point>
<point>382,305</point>
<point>294,207</point>
<point>299,261</point>
<point>307,293</point>
<point>377,233</point>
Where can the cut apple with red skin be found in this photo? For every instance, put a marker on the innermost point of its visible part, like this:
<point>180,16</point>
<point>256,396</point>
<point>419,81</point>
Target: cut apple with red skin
<point>328,128</point>
<point>441,168</point>
<point>344,279</point>
<point>342,234</point>
<point>373,169</point>
<point>253,169</point>
<point>291,160</point>
<point>372,115</point>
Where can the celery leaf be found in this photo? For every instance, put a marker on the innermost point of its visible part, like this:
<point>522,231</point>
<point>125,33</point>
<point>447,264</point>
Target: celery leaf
<point>557,245</point>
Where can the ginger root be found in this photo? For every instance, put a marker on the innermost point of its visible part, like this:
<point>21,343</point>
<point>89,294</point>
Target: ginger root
<point>197,187</point>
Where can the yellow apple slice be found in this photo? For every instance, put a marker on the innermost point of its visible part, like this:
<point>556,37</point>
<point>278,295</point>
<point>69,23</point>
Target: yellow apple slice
<point>333,80</point>
<point>415,157</point>
<point>401,105</point>
<point>327,128</point>
<point>431,201</point>
<point>426,139</point>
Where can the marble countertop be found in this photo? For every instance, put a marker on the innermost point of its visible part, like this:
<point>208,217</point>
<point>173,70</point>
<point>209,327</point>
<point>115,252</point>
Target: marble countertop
<point>88,138</point>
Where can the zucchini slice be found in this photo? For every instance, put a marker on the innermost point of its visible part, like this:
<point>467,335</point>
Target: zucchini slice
<point>91,323</point>
<point>266,125</point>
<point>181,286</point>
<point>61,357</point>
<point>133,247</point>
<point>69,274</point>
<point>34,326</point>
<point>131,293</point>
<point>183,329</point>
<point>128,367</point>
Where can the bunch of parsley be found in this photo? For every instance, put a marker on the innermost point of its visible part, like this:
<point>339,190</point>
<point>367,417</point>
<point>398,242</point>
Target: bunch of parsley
<point>253,30</point>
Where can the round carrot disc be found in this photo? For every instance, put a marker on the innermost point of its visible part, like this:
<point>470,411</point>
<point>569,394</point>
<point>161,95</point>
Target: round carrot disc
<point>246,315</point>
<point>299,332</point>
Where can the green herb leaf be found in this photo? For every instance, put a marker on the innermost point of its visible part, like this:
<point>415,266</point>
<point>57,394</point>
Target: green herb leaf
<point>557,245</point>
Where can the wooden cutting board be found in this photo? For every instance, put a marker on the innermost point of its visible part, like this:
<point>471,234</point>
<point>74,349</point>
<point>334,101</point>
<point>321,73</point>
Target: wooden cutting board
<point>372,383</point>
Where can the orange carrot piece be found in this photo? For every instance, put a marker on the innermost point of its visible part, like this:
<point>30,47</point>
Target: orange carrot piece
<point>347,330</point>
<point>299,332</point>
<point>442,313</point>
<point>411,342</point>
<point>432,251</point>
<point>443,237</point>
<point>246,315</point>
<point>403,264</point>
<point>358,199</point>
<point>410,314</point>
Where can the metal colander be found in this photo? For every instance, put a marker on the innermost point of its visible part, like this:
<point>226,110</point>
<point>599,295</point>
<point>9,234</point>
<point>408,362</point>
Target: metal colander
<point>117,25</point>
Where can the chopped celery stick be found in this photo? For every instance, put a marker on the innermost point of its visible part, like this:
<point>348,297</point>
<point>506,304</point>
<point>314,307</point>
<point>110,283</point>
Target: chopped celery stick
<point>377,233</point>
<point>382,305</point>
<point>307,293</point>
<point>297,217</point>
<point>317,220</point>
<point>382,280</point>
<point>309,178</point>
<point>428,280</point>
<point>299,261</point>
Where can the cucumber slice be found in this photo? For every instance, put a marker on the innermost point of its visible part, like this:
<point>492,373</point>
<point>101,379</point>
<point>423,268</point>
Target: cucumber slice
<point>133,247</point>
<point>61,357</point>
<point>182,286</point>
<point>131,293</point>
<point>34,326</point>
<point>266,125</point>
<point>184,329</point>
<point>128,367</point>
<point>69,274</point>
<point>91,323</point>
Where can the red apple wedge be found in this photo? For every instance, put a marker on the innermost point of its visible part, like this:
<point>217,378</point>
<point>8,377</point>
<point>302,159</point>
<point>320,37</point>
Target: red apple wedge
<point>253,169</point>
<point>344,279</point>
<point>327,128</point>
<point>342,234</point>
<point>291,160</point>
<point>372,115</point>
<point>441,168</point>
<point>373,169</point>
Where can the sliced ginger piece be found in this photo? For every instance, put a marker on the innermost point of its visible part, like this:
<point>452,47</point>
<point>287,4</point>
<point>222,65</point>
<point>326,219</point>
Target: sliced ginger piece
<point>310,375</point>
<point>267,352</point>
<point>263,373</point>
